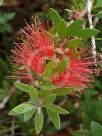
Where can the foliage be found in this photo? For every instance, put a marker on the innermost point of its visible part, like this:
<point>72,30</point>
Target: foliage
<point>4,22</point>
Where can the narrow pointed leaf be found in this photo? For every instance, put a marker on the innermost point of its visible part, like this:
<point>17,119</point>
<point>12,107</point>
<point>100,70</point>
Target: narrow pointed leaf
<point>55,17</point>
<point>13,113</point>
<point>73,29</point>
<point>49,100</point>
<point>47,86</point>
<point>38,121</point>
<point>87,32</point>
<point>62,91</point>
<point>49,70</point>
<point>74,43</point>
<point>62,29</point>
<point>22,108</point>
<point>22,87</point>
<point>62,65</point>
<point>33,94</point>
<point>29,114</point>
<point>54,118</point>
<point>57,109</point>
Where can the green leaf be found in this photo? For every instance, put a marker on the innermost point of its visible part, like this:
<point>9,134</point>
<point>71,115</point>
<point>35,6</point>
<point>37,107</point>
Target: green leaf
<point>62,29</point>
<point>75,52</point>
<point>86,120</point>
<point>49,100</point>
<point>22,87</point>
<point>87,32</point>
<point>49,70</point>
<point>29,114</point>
<point>81,133</point>
<point>3,66</point>
<point>4,91</point>
<point>13,113</point>
<point>62,65</point>
<point>2,20</point>
<point>54,118</point>
<point>81,5</point>
<point>62,91</point>
<point>38,121</point>
<point>7,27</point>
<point>6,85</point>
<point>74,3</point>
<point>55,17</point>
<point>57,109</point>
<point>47,86</point>
<point>9,16</point>
<point>33,93</point>
<point>73,29</point>
<point>74,43</point>
<point>98,109</point>
<point>99,3</point>
<point>99,15</point>
<point>96,129</point>
<point>22,108</point>
<point>44,93</point>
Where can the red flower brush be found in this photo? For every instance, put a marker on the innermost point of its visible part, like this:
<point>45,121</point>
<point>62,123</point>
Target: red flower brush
<point>32,52</point>
<point>37,47</point>
<point>78,73</point>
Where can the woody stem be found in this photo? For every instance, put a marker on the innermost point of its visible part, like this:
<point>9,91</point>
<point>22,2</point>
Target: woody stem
<point>89,9</point>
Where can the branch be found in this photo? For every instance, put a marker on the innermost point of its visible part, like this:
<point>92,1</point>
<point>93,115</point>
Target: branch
<point>89,8</point>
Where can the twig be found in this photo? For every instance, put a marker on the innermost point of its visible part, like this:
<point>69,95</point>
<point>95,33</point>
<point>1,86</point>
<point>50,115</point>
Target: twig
<point>89,8</point>
<point>12,127</point>
<point>2,104</point>
<point>9,129</point>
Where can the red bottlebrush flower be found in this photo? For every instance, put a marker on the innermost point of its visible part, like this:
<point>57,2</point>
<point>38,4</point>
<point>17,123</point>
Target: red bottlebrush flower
<point>78,74</point>
<point>35,48</point>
